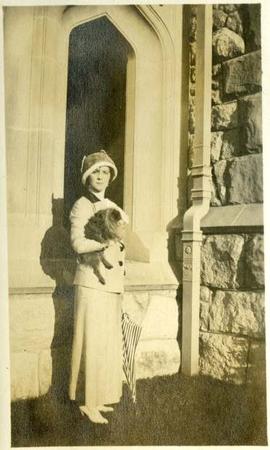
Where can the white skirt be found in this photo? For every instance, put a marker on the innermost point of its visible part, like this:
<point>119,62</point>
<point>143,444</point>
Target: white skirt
<point>96,364</point>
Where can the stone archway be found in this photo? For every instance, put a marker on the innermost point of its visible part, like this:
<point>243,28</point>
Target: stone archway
<point>151,138</point>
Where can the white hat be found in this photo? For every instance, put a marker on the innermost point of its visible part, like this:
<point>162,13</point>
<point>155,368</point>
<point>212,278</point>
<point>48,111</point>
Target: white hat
<point>95,160</point>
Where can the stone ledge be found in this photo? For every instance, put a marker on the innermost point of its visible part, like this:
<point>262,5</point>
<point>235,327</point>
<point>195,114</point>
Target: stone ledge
<point>234,218</point>
<point>41,290</point>
<point>153,275</point>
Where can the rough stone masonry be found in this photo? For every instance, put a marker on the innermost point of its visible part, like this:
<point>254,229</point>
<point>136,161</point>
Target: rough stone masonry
<point>232,273</point>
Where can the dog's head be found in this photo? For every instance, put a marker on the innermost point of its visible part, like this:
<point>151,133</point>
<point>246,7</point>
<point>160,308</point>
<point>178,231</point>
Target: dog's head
<point>106,224</point>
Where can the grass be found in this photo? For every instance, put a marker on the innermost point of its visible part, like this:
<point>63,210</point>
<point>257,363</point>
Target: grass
<point>171,410</point>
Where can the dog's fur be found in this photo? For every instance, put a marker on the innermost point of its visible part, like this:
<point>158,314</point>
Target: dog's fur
<point>104,226</point>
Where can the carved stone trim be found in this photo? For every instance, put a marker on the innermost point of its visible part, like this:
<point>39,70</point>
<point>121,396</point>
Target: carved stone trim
<point>201,193</point>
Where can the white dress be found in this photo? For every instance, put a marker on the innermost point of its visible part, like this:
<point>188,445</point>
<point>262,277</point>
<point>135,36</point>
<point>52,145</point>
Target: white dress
<point>96,364</point>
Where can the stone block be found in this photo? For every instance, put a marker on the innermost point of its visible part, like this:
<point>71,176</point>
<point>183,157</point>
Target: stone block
<point>32,319</point>
<point>219,19</point>
<point>223,357</point>
<point>254,262</point>
<point>204,316</point>
<point>216,71</point>
<point>216,97</point>
<point>224,116</point>
<point>157,358</point>
<point>227,44</point>
<point>205,294</point>
<point>24,375</point>
<point>167,293</point>
<point>216,144</point>
<point>221,261</point>
<point>230,144</point>
<point>219,169</point>
<point>245,180</point>
<point>250,121</point>
<point>252,20</point>
<point>256,373</point>
<point>136,305</point>
<point>234,23</point>
<point>39,321</point>
<point>242,75</point>
<point>161,319</point>
<point>214,201</point>
<point>239,313</point>
<point>205,298</point>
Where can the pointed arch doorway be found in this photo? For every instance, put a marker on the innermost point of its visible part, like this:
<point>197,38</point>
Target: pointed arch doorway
<point>96,102</point>
<point>148,146</point>
<point>147,137</point>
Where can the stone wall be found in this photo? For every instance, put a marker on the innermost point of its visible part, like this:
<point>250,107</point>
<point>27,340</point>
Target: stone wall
<point>41,335</point>
<point>232,271</point>
<point>236,142</point>
<point>236,112</point>
<point>232,307</point>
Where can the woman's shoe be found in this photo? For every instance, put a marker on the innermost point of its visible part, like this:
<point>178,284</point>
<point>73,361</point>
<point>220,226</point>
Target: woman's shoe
<point>104,408</point>
<point>93,415</point>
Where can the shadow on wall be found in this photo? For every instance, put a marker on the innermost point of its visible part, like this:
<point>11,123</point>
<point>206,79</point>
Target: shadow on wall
<point>174,245</point>
<point>58,261</point>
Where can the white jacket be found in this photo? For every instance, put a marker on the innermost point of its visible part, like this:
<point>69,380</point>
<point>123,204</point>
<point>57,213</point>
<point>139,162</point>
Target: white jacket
<point>81,212</point>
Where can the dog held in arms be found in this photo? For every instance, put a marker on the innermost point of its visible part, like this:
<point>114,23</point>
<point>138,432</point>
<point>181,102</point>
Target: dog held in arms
<point>105,226</point>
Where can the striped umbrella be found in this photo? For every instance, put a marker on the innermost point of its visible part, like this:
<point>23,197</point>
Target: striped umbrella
<point>131,334</point>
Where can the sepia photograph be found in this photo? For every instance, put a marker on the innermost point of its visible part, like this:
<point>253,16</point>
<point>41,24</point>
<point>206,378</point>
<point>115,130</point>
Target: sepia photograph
<point>133,248</point>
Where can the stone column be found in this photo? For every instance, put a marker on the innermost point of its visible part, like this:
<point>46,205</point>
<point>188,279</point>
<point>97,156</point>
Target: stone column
<point>33,73</point>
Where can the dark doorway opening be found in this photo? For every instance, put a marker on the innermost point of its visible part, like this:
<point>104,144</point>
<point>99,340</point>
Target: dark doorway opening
<point>96,103</point>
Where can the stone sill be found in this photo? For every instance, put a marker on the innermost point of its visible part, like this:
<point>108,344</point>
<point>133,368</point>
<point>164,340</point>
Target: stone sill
<point>234,219</point>
<point>41,290</point>
<point>154,276</point>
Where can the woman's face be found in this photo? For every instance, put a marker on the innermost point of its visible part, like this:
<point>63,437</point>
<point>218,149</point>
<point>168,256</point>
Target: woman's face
<point>99,179</point>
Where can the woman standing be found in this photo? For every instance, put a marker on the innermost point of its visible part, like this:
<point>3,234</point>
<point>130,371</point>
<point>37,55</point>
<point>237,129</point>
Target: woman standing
<point>97,339</point>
